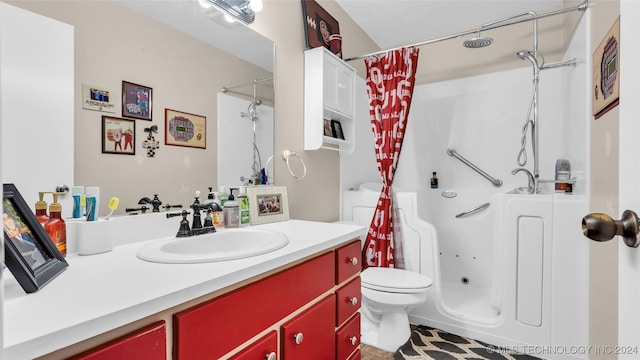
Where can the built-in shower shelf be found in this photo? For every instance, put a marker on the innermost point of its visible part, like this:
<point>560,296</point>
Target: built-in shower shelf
<point>329,94</point>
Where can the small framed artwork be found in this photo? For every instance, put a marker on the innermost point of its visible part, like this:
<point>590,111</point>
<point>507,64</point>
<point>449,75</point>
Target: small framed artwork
<point>328,129</point>
<point>184,129</point>
<point>337,129</point>
<point>136,101</point>
<point>98,99</point>
<point>606,72</point>
<point>118,136</point>
<point>29,253</point>
<point>318,25</point>
<point>268,204</point>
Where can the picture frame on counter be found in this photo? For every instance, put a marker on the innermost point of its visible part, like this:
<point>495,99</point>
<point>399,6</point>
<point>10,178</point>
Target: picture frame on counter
<point>118,136</point>
<point>137,101</point>
<point>30,254</point>
<point>268,204</point>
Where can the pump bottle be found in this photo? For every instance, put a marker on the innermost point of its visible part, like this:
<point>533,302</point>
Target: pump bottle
<point>231,210</point>
<point>56,227</point>
<point>243,199</point>
<point>41,209</point>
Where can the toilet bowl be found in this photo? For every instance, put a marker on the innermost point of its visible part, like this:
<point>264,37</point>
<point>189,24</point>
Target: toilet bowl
<point>387,294</point>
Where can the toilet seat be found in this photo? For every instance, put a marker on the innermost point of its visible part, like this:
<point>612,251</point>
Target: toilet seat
<point>394,280</point>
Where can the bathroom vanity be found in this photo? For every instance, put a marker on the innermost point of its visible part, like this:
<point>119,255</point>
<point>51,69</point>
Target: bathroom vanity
<point>298,302</point>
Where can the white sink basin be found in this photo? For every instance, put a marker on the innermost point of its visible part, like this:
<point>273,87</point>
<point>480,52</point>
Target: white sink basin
<point>227,244</point>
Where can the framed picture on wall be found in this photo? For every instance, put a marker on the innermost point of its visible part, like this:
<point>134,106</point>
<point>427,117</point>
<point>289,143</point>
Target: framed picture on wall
<point>606,77</point>
<point>98,99</point>
<point>318,25</point>
<point>184,129</point>
<point>29,253</point>
<point>118,136</point>
<point>136,101</point>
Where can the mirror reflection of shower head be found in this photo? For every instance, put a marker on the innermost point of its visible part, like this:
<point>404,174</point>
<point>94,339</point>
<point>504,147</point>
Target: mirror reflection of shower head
<point>527,55</point>
<point>478,42</point>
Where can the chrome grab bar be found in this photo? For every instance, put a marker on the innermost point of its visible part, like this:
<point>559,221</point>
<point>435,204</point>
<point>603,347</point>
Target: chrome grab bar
<point>495,182</point>
<point>473,210</point>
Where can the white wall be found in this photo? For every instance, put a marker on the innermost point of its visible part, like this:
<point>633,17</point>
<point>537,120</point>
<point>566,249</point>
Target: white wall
<point>235,133</point>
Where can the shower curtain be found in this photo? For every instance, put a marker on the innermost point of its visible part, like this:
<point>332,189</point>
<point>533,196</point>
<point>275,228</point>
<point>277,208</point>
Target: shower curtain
<point>390,82</point>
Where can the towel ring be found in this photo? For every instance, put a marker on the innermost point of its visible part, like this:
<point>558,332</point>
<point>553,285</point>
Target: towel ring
<point>286,156</point>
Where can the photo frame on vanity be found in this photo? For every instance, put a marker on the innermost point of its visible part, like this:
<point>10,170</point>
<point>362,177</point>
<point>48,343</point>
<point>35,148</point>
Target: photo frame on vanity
<point>268,204</point>
<point>118,136</point>
<point>30,254</point>
<point>136,101</point>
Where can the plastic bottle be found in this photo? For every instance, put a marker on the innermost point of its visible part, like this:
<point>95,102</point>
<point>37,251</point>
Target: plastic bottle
<point>563,172</point>
<point>222,195</point>
<point>231,210</point>
<point>93,203</point>
<point>41,209</point>
<point>434,181</point>
<point>244,206</point>
<point>76,193</point>
<point>56,227</point>
<point>217,212</point>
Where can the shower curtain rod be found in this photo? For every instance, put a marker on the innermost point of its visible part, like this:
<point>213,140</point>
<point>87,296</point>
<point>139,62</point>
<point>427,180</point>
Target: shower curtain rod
<point>581,7</point>
<point>255,81</point>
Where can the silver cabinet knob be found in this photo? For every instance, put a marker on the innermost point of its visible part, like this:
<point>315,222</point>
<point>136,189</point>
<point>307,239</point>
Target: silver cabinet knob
<point>298,338</point>
<point>354,301</point>
<point>354,261</point>
<point>353,340</point>
<point>271,356</point>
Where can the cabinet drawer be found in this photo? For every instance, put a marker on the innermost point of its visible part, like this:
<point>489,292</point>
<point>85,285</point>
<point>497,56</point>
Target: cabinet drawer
<point>348,300</point>
<point>355,355</point>
<point>348,261</point>
<point>348,338</point>
<point>315,331</point>
<point>261,349</point>
<point>216,327</point>
<point>148,343</point>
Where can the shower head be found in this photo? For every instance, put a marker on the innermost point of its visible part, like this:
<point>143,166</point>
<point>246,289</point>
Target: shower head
<point>527,55</point>
<point>478,42</point>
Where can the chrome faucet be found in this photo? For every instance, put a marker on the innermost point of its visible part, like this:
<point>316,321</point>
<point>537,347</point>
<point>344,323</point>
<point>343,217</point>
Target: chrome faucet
<point>531,186</point>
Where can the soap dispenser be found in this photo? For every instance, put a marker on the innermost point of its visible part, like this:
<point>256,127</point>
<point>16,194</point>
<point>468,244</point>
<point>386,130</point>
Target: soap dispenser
<point>41,209</point>
<point>243,201</point>
<point>55,226</point>
<point>231,211</point>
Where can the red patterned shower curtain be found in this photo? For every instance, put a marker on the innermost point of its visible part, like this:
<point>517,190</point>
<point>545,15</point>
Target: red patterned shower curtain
<point>390,81</point>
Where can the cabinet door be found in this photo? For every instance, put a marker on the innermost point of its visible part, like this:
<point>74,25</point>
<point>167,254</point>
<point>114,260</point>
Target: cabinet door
<point>311,335</point>
<point>148,343</point>
<point>348,261</point>
<point>263,349</point>
<point>338,86</point>
<point>348,300</point>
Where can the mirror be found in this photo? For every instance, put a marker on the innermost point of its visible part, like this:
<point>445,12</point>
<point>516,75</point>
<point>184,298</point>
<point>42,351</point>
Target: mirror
<point>186,54</point>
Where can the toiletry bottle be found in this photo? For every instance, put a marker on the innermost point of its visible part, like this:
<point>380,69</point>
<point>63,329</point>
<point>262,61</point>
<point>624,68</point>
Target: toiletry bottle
<point>76,193</point>
<point>563,172</point>
<point>231,210</point>
<point>209,200</point>
<point>56,227</point>
<point>217,212</point>
<point>434,181</point>
<point>244,206</point>
<point>222,195</point>
<point>41,209</point>
<point>93,202</point>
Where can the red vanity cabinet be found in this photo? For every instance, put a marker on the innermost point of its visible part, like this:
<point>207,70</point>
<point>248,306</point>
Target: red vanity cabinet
<point>348,261</point>
<point>348,338</point>
<point>148,343</point>
<point>264,349</point>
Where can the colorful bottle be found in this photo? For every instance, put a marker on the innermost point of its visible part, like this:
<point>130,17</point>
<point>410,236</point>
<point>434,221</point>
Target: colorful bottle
<point>56,227</point>
<point>243,199</point>
<point>222,195</point>
<point>41,209</point>
<point>76,193</point>
<point>217,212</point>
<point>231,210</point>
<point>563,172</point>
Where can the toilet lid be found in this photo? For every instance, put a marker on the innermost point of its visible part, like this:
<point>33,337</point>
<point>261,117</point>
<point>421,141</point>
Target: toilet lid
<point>394,280</point>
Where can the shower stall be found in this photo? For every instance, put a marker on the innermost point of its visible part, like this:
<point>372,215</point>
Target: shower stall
<point>509,267</point>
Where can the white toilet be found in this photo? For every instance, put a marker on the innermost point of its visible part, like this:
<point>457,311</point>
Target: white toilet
<point>387,294</point>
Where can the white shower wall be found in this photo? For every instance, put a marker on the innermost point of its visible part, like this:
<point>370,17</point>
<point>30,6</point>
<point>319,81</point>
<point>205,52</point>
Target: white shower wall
<point>235,139</point>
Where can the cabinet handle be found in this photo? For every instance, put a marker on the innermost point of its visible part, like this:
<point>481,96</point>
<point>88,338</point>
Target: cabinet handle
<point>271,356</point>
<point>354,301</point>
<point>353,261</point>
<point>298,338</point>
<point>353,340</point>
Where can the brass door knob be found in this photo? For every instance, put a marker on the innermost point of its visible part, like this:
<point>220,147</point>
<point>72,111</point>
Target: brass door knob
<point>601,227</point>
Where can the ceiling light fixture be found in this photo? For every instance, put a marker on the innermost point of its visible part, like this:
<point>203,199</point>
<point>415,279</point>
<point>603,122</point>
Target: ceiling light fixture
<point>241,10</point>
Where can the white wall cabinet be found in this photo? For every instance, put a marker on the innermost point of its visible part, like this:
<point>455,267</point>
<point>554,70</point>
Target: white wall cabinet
<point>329,94</point>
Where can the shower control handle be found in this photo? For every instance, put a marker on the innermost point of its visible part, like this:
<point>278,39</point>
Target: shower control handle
<point>601,227</point>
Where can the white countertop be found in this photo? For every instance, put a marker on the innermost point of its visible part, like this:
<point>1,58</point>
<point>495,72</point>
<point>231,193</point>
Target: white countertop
<point>101,292</point>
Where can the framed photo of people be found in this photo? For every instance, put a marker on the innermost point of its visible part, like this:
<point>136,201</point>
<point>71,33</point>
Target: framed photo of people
<point>30,254</point>
<point>136,101</point>
<point>118,136</point>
